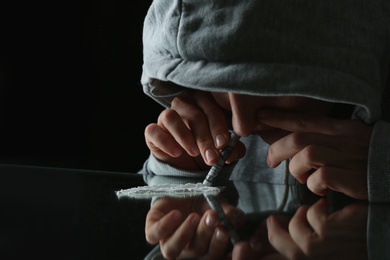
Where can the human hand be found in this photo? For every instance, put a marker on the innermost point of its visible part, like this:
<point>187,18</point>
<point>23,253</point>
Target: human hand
<point>258,245</point>
<point>191,134</point>
<point>189,229</point>
<point>316,234</point>
<point>326,153</point>
<point>312,233</point>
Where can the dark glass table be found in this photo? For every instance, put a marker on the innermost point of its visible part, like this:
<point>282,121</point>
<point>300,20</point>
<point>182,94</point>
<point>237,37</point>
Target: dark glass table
<point>55,213</point>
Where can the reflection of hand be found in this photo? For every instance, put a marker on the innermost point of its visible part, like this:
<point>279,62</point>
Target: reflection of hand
<point>314,234</point>
<point>327,153</point>
<point>191,133</point>
<point>187,228</point>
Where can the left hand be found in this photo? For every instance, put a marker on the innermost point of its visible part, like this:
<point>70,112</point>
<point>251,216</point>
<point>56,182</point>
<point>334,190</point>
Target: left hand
<point>326,153</point>
<point>186,228</point>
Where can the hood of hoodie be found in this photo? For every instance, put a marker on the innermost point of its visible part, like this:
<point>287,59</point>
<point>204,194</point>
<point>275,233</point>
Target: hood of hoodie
<point>328,50</point>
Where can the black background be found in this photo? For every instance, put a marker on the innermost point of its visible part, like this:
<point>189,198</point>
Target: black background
<point>70,84</point>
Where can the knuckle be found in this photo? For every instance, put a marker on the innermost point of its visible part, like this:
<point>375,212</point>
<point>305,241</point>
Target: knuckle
<point>176,101</point>
<point>150,239</point>
<point>272,155</point>
<point>293,168</point>
<point>179,101</point>
<point>169,252</point>
<point>150,129</point>
<point>323,175</point>
<point>168,115</point>
<point>196,116</point>
<point>320,183</point>
<point>271,151</point>
<point>297,140</point>
<point>272,238</point>
<point>310,153</point>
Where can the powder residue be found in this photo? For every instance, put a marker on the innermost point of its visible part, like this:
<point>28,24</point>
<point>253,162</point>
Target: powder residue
<point>168,190</point>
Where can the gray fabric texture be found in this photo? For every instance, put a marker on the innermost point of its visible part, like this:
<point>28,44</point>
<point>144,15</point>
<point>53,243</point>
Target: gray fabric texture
<point>331,50</point>
<point>336,51</point>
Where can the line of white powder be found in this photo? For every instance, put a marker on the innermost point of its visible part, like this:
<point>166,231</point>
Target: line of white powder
<point>169,189</point>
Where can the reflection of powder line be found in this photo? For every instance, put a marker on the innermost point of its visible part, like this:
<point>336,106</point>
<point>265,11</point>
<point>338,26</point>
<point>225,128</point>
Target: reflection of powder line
<point>168,189</point>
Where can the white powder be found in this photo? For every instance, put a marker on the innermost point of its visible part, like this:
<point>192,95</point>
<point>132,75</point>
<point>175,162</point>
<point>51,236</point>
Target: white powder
<point>168,190</point>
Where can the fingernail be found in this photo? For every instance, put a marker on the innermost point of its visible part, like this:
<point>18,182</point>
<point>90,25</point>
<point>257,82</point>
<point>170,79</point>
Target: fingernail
<point>220,236</point>
<point>220,140</point>
<point>210,155</point>
<point>210,221</point>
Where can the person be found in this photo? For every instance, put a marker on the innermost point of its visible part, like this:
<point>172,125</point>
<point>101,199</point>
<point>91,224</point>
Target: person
<point>304,84</point>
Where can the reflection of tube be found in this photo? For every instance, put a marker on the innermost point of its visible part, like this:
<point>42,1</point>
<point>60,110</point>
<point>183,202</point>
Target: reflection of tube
<point>216,206</point>
<point>221,161</point>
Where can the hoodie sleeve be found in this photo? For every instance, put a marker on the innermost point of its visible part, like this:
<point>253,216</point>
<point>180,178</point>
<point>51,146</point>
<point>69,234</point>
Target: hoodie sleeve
<point>378,229</point>
<point>156,167</point>
<point>379,164</point>
<point>379,153</point>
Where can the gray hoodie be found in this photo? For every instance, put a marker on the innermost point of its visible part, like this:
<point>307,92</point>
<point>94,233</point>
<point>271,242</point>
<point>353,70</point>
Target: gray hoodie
<point>336,51</point>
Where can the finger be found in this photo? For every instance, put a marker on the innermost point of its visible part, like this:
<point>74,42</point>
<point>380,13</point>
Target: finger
<point>216,118</point>
<point>301,232</point>
<point>218,244</point>
<point>325,178</point>
<point>293,143</point>
<point>353,216</point>
<point>298,122</point>
<point>238,152</point>
<point>351,211</point>
<point>328,225</point>
<point>311,158</point>
<point>312,151</point>
<point>235,215</point>
<point>172,246</point>
<point>159,225</point>
<point>197,122</point>
<point>317,217</point>
<point>281,240</point>
<point>243,251</point>
<point>171,121</point>
<point>161,143</point>
<point>204,233</point>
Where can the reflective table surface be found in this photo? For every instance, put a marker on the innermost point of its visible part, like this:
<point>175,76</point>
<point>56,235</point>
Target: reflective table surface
<point>55,213</point>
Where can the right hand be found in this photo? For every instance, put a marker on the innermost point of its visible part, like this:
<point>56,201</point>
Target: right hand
<point>191,134</point>
<point>312,233</point>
